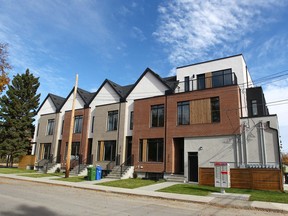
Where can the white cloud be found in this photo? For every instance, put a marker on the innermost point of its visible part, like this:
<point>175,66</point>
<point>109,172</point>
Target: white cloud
<point>192,30</point>
<point>137,33</point>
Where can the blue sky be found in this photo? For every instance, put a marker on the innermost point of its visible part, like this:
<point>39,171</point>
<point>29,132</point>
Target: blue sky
<point>118,40</point>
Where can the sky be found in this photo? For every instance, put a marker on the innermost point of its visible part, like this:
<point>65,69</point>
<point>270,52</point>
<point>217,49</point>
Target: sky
<point>119,39</point>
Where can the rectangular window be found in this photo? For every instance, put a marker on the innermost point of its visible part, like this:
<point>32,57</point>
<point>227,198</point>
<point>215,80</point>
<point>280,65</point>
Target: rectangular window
<point>112,120</point>
<point>157,115</point>
<point>215,109</point>
<point>78,121</point>
<point>254,107</point>
<point>151,150</point>
<point>201,81</point>
<point>186,84</point>
<point>92,124</point>
<point>222,78</point>
<point>62,128</point>
<point>38,129</point>
<point>131,120</point>
<point>183,113</point>
<point>75,150</point>
<point>50,127</point>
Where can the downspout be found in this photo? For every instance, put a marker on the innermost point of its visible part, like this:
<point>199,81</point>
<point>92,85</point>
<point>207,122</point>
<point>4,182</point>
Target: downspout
<point>262,143</point>
<point>118,135</point>
<point>165,132</point>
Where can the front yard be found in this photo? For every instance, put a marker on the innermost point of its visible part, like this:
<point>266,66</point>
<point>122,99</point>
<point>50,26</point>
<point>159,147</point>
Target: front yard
<point>130,183</point>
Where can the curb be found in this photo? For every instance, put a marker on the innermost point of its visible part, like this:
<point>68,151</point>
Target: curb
<point>154,196</point>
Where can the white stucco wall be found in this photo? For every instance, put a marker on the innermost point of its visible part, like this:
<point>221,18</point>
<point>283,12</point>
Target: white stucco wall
<point>260,151</point>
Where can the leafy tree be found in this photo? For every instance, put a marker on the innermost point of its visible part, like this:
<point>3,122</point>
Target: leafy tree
<point>285,158</point>
<point>4,66</point>
<point>18,109</point>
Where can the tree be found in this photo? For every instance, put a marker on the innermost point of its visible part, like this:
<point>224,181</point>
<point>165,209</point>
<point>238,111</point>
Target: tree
<point>285,158</point>
<point>18,109</point>
<point>4,66</point>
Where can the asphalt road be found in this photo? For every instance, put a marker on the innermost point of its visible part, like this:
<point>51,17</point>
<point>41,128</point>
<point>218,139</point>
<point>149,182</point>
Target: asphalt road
<point>20,198</point>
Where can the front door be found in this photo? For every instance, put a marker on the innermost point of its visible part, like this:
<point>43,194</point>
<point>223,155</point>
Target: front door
<point>45,151</point>
<point>193,166</point>
<point>129,160</point>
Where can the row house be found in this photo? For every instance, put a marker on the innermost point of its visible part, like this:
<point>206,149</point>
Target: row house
<point>177,126</point>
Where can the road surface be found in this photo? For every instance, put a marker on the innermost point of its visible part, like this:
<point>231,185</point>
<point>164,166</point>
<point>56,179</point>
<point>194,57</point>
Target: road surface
<point>20,198</point>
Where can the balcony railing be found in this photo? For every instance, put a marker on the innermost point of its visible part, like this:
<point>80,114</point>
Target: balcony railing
<point>206,82</point>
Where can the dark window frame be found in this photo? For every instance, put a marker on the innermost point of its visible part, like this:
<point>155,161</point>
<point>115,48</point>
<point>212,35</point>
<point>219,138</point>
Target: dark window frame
<point>215,109</point>
<point>182,119</point>
<point>78,124</point>
<point>254,107</point>
<point>131,120</point>
<point>157,115</point>
<point>112,122</point>
<point>50,127</point>
<point>186,83</point>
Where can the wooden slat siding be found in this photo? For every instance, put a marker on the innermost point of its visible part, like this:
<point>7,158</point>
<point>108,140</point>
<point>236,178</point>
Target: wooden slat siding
<point>101,155</point>
<point>240,178</point>
<point>208,80</point>
<point>206,176</point>
<point>266,179</point>
<point>200,111</point>
<point>258,179</point>
<point>26,160</point>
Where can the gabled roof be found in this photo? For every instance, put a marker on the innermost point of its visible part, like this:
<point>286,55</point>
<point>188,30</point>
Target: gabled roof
<point>85,95</point>
<point>56,100</point>
<point>172,82</point>
<point>166,81</point>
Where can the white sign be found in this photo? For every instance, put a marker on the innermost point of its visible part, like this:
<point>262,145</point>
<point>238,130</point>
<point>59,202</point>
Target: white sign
<point>222,174</point>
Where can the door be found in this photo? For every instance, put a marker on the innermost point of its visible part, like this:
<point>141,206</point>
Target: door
<point>193,166</point>
<point>129,160</point>
<point>45,151</point>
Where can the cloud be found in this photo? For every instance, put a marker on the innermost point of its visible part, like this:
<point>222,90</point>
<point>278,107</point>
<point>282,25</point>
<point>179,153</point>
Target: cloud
<point>192,30</point>
<point>137,33</point>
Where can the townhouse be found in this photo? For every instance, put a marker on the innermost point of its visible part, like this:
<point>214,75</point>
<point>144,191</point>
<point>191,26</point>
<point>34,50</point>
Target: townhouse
<point>172,127</point>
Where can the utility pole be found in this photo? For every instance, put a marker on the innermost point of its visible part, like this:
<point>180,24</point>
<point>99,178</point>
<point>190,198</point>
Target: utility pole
<point>71,130</point>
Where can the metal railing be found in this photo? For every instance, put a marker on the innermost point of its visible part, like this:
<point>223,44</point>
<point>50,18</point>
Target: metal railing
<point>128,162</point>
<point>200,83</point>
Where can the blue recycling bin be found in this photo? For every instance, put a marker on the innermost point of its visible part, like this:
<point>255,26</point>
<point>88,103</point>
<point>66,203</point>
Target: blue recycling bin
<point>98,172</point>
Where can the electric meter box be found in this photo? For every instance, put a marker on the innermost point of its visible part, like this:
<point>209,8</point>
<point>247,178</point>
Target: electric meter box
<point>222,175</point>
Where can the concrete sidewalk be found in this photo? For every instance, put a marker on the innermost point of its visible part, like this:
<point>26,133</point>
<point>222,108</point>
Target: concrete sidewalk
<point>225,200</point>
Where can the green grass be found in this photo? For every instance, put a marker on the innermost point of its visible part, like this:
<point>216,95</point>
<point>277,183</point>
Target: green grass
<point>72,179</point>
<point>41,175</point>
<point>255,195</point>
<point>130,183</point>
<point>15,171</point>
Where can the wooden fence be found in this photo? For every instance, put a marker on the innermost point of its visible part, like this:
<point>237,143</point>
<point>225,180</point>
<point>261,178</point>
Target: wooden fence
<point>26,160</point>
<point>259,179</point>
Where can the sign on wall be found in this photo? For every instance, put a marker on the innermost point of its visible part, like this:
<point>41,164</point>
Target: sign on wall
<point>222,175</point>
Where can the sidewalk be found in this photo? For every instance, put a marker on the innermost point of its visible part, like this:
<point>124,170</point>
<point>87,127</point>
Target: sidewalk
<point>225,200</point>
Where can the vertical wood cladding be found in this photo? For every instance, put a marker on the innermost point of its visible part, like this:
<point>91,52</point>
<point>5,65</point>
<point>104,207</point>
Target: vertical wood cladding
<point>200,121</point>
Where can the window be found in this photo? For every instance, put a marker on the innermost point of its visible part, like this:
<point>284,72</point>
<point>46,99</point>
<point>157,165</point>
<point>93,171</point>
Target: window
<point>78,124</point>
<point>222,78</point>
<point>131,120</point>
<point>62,127</point>
<point>112,120</point>
<point>50,127</point>
<point>186,84</point>
<point>75,148</point>
<point>92,124</point>
<point>215,109</point>
<point>183,113</point>
<point>157,116</point>
<point>201,81</point>
<point>254,107</point>
<point>38,130</point>
<point>151,150</point>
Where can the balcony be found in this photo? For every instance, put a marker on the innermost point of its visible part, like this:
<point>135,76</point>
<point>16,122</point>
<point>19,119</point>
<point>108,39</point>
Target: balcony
<point>206,81</point>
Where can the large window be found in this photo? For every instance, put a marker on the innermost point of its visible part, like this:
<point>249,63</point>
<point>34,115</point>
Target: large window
<point>186,84</point>
<point>78,124</point>
<point>157,116</point>
<point>151,150</point>
<point>112,120</point>
<point>50,127</point>
<point>201,81</point>
<point>222,78</point>
<point>215,109</point>
<point>183,113</point>
<point>92,124</point>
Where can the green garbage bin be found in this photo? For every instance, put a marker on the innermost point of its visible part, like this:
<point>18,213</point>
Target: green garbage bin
<point>91,173</point>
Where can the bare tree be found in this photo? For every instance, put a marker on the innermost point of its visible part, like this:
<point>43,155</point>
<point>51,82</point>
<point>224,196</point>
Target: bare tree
<point>4,66</point>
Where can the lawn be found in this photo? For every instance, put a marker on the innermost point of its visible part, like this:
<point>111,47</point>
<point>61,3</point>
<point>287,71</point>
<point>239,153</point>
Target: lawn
<point>130,183</point>
<point>15,171</point>
<point>255,195</point>
<point>72,179</point>
<point>41,175</point>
